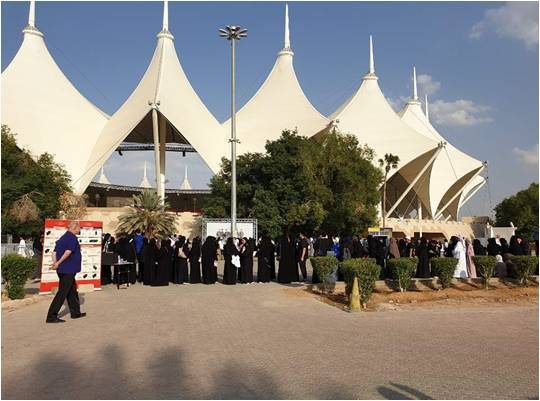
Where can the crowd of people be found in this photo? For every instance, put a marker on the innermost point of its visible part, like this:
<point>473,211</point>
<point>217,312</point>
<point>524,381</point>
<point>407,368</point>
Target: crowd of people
<point>179,260</point>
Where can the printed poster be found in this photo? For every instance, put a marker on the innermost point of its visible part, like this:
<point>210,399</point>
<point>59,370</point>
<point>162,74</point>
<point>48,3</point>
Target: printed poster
<point>90,241</point>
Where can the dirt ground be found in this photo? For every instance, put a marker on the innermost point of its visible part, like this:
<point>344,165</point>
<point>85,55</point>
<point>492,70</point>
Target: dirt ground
<point>459,296</point>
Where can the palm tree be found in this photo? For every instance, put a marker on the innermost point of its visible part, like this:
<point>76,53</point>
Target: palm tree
<point>389,162</point>
<point>148,215</point>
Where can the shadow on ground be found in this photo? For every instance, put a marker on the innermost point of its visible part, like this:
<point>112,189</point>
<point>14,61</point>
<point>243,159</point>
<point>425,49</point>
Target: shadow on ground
<point>401,392</point>
<point>165,375</point>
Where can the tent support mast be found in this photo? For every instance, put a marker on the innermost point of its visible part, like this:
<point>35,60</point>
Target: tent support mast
<point>162,154</point>
<point>411,185</point>
<point>419,216</point>
<point>155,129</point>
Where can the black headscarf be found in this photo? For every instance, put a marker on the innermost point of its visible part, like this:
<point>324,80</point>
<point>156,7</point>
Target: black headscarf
<point>210,245</point>
<point>451,245</point>
<point>195,249</point>
<point>515,247</point>
<point>478,248</point>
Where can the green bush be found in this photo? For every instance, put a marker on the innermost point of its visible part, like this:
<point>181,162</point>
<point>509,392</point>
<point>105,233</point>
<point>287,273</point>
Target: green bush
<point>324,266</point>
<point>485,266</point>
<point>402,270</point>
<point>444,268</point>
<point>525,267</point>
<point>367,271</point>
<point>15,270</point>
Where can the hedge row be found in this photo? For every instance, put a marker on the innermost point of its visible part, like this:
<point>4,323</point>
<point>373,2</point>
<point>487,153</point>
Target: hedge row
<point>16,270</point>
<point>403,269</point>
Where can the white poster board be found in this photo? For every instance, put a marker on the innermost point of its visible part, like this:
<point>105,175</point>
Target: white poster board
<point>90,241</point>
<point>221,228</point>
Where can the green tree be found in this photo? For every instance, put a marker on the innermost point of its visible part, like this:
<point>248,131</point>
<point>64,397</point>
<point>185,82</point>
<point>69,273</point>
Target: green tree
<point>300,184</point>
<point>31,188</point>
<point>521,209</point>
<point>345,182</point>
<point>147,215</point>
<point>389,162</point>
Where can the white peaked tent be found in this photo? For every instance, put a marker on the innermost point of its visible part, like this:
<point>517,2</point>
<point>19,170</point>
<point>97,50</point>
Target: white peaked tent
<point>45,111</point>
<point>368,115</point>
<point>164,108</point>
<point>452,170</point>
<point>103,178</point>
<point>145,183</point>
<point>279,104</point>
<point>185,183</point>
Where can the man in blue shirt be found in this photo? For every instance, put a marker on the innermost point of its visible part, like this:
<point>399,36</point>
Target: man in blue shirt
<point>67,263</point>
<point>139,240</point>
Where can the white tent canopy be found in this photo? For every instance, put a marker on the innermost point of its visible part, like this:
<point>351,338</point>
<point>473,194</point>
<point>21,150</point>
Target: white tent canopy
<point>48,114</point>
<point>279,104</point>
<point>451,165</point>
<point>368,115</point>
<point>45,111</point>
<point>181,115</point>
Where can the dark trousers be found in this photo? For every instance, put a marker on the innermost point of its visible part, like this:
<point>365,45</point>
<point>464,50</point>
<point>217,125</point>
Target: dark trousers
<point>67,289</point>
<point>303,269</point>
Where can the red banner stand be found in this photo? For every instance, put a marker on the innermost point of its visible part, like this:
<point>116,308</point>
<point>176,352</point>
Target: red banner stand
<point>90,241</point>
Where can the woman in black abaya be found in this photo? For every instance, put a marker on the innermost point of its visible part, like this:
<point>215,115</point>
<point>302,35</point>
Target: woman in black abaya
<point>479,250</point>
<point>504,246</point>
<point>229,271</point>
<point>288,268</point>
<point>194,263</point>
<point>515,247</point>
<point>126,251</point>
<point>265,259</point>
<point>149,257</point>
<point>209,258</point>
<point>422,252</point>
<point>164,267</point>
<point>246,262</point>
<point>180,268</point>
<point>493,248</point>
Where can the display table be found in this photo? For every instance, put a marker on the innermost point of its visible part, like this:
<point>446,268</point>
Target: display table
<point>121,270</point>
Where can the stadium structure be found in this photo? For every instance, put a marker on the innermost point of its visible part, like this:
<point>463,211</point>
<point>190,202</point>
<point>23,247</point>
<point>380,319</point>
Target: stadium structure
<point>163,113</point>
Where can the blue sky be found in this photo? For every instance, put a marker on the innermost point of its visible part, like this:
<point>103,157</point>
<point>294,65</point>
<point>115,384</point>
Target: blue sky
<point>478,61</point>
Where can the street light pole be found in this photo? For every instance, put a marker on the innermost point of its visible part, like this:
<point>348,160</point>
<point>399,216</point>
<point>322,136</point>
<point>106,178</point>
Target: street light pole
<point>234,232</point>
<point>233,33</point>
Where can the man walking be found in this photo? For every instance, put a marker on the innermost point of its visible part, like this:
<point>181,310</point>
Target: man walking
<point>68,251</point>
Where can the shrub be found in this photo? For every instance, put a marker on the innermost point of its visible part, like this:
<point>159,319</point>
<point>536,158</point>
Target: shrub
<point>367,271</point>
<point>444,268</point>
<point>324,266</point>
<point>525,266</point>
<point>402,270</point>
<point>485,266</point>
<point>15,270</point>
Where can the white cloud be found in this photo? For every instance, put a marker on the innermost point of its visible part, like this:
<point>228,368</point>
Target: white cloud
<point>426,84</point>
<point>529,157</point>
<point>515,20</point>
<point>445,113</point>
<point>458,113</point>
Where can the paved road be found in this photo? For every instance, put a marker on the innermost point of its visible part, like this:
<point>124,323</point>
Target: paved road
<point>259,341</point>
